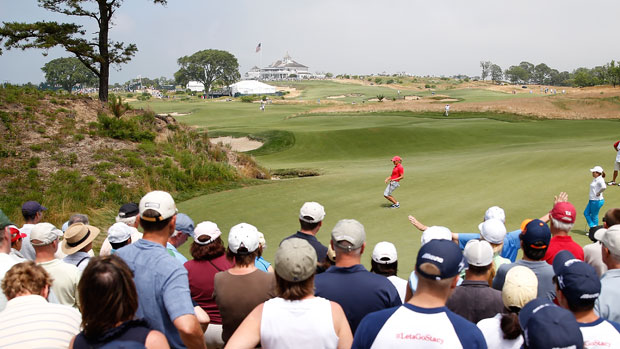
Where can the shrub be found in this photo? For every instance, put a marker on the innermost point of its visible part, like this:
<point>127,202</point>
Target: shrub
<point>390,81</point>
<point>123,129</point>
<point>378,81</point>
<point>117,106</point>
<point>247,99</point>
<point>380,98</point>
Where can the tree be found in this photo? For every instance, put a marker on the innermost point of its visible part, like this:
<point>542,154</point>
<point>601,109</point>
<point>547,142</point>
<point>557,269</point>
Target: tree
<point>613,73</point>
<point>496,73</point>
<point>529,68</point>
<point>486,66</point>
<point>516,74</point>
<point>542,74</point>
<point>208,67</point>
<point>68,72</point>
<point>96,54</point>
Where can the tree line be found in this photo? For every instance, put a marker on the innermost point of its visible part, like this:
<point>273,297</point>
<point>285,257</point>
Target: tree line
<point>542,74</point>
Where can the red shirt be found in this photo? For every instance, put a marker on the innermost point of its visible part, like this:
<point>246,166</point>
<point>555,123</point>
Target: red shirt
<point>397,172</point>
<point>562,242</point>
<point>201,275</point>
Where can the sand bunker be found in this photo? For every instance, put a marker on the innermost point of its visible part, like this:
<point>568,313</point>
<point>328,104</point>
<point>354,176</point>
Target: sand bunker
<point>448,100</point>
<point>237,144</point>
<point>173,114</point>
<point>336,97</point>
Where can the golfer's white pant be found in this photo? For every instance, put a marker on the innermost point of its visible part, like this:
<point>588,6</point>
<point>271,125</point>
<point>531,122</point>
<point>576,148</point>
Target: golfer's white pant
<point>390,188</point>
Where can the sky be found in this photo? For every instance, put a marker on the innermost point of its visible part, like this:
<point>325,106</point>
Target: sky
<point>439,38</point>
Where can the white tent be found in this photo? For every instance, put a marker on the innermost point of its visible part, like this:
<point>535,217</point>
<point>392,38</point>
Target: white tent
<point>195,86</point>
<point>251,87</point>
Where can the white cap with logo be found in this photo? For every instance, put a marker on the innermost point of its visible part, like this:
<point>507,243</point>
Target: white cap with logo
<point>160,202</point>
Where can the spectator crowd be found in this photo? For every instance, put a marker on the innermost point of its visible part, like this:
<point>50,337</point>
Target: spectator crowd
<point>466,290</point>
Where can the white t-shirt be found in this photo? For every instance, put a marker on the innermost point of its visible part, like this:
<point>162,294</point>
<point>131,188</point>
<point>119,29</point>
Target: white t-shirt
<point>493,334</point>
<point>618,155</point>
<point>600,334</point>
<point>597,185</point>
<point>6,262</point>
<point>401,286</point>
<point>27,250</point>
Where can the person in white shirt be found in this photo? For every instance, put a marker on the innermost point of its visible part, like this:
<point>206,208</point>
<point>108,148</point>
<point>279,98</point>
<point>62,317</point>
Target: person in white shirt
<point>447,110</point>
<point>385,262</point>
<point>596,200</point>
<point>616,164</point>
<point>32,212</point>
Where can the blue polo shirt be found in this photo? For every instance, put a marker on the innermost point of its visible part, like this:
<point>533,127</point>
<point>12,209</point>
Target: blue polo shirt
<point>162,285</point>
<point>321,250</point>
<point>512,243</point>
<point>357,290</point>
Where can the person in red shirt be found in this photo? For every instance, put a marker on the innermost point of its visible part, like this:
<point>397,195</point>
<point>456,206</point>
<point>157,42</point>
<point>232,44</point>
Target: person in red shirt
<point>393,181</point>
<point>562,219</point>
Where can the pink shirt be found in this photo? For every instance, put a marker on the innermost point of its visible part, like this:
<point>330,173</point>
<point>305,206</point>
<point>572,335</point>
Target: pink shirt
<point>397,172</point>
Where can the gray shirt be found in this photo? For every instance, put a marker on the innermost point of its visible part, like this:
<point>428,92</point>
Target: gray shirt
<point>607,305</point>
<point>544,274</point>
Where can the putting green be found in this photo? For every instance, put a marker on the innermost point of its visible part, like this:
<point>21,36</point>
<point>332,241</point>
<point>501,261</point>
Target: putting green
<point>455,168</point>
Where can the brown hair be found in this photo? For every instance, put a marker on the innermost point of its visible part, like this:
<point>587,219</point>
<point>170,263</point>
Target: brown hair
<point>612,217</point>
<point>206,252</point>
<point>242,258</point>
<point>25,277</point>
<point>384,269</point>
<point>294,290</point>
<point>107,295</point>
<point>307,226</point>
<point>510,326</point>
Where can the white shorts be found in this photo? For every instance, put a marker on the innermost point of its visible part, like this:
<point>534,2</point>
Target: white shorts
<point>617,166</point>
<point>390,188</point>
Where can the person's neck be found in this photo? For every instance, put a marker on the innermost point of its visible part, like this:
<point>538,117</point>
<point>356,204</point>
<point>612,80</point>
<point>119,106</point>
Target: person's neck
<point>586,317</point>
<point>156,237</point>
<point>242,269</point>
<point>30,222</point>
<point>42,257</point>
<point>557,232</point>
<point>345,261</point>
<point>308,232</point>
<point>474,277</point>
<point>427,300</point>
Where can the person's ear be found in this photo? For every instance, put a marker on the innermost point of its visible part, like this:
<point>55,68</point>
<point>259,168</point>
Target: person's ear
<point>45,292</point>
<point>363,247</point>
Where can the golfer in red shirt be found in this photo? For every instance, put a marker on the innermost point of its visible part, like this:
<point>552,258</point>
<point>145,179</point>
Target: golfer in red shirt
<point>393,181</point>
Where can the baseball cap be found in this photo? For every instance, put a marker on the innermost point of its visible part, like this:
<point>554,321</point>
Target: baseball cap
<point>128,210</point>
<point>160,202</point>
<point>494,212</point>
<point>610,237</point>
<point>15,233</point>
<point>77,236</point>
<point>396,158</point>
<point>520,287</point>
<point>493,231</point>
<point>577,280</point>
<point>384,253</point>
<point>119,232</point>
<point>536,231</point>
<point>4,220</point>
<point>545,325</point>
<point>564,211</point>
<point>598,169</point>
<point>184,224</point>
<point>295,260</point>
<point>45,233</point>
<point>312,212</point>
<point>351,231</point>
<point>243,235</point>
<point>478,253</point>
<point>445,255</point>
<point>435,232</point>
<point>207,228</point>
<point>32,207</point>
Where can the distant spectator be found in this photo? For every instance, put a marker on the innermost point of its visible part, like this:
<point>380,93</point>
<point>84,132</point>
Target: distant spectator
<point>127,214</point>
<point>107,284</point>
<point>78,241</point>
<point>488,302</point>
<point>241,288</point>
<point>6,261</point>
<point>44,239</point>
<point>32,212</point>
<point>562,219</point>
<point>534,243</point>
<point>29,321</point>
<point>296,318</point>
<point>424,321</point>
<point>607,305</point>
<point>182,230</point>
<point>595,198</point>
<point>209,256</point>
<point>577,288</point>
<point>348,283</point>
<point>545,325</point>
<point>616,163</point>
<point>16,243</point>
<point>260,262</point>
<point>119,235</point>
<point>503,330</point>
<point>165,301</point>
<point>311,217</point>
<point>75,218</point>
<point>385,262</point>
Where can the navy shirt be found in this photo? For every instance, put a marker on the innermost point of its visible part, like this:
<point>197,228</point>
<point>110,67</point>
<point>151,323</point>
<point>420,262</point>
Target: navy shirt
<point>357,290</point>
<point>321,250</point>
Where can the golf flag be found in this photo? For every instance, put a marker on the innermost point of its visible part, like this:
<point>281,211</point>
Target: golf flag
<point>258,47</point>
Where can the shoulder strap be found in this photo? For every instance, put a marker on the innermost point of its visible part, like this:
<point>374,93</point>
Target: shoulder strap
<point>82,260</point>
<point>214,266</point>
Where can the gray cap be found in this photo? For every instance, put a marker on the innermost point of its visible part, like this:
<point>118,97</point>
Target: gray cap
<point>295,260</point>
<point>45,233</point>
<point>351,231</point>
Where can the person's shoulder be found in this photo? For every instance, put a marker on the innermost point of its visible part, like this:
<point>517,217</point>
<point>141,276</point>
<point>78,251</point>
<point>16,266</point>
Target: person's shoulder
<point>465,329</point>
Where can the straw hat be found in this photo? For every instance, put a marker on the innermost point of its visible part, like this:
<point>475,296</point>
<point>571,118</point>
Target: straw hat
<point>77,236</point>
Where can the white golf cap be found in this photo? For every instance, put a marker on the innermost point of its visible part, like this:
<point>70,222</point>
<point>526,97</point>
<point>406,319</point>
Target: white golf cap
<point>493,231</point>
<point>598,169</point>
<point>520,287</point>
<point>159,201</point>
<point>119,232</point>
<point>384,253</point>
<point>243,235</point>
<point>435,232</point>
<point>312,212</point>
<point>478,253</point>
<point>207,228</point>
<point>494,212</point>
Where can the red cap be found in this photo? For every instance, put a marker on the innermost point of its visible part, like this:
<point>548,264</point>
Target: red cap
<point>15,233</point>
<point>616,145</point>
<point>396,158</point>
<point>564,211</point>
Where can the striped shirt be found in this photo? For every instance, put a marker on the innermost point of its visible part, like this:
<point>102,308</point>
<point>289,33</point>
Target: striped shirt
<point>31,322</point>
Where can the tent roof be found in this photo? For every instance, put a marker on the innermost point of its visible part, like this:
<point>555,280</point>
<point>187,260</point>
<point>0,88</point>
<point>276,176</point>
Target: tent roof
<point>251,84</point>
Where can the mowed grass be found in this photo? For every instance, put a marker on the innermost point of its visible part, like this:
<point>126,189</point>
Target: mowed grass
<point>455,169</point>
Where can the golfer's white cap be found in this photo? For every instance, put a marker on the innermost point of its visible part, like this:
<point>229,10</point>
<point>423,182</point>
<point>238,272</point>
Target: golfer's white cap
<point>598,169</point>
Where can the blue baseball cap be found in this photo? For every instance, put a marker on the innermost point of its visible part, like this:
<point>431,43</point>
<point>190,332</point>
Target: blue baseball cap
<point>545,325</point>
<point>32,207</point>
<point>445,255</point>
<point>536,232</point>
<point>184,224</point>
<point>577,280</point>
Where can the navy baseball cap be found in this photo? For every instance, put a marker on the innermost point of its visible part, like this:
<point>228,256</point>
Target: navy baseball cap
<point>184,224</point>
<point>534,233</point>
<point>130,209</point>
<point>32,207</point>
<point>545,325</point>
<point>577,280</point>
<point>445,255</point>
